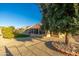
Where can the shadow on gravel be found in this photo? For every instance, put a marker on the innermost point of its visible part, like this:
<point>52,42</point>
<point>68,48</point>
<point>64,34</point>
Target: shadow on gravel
<point>49,45</point>
<point>8,53</point>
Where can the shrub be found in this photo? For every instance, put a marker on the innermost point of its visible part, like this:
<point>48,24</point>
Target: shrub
<point>8,32</point>
<point>21,35</point>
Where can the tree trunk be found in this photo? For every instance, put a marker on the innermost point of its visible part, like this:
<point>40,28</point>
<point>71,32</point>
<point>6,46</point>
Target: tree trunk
<point>51,33</point>
<point>48,34</point>
<point>66,39</point>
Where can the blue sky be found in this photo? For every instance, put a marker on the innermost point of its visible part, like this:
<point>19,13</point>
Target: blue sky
<point>19,14</point>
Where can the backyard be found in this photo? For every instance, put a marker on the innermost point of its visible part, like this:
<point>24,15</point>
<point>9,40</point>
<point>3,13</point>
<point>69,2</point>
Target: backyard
<point>52,30</point>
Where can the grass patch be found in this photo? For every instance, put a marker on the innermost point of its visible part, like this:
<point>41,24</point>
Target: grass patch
<point>21,35</point>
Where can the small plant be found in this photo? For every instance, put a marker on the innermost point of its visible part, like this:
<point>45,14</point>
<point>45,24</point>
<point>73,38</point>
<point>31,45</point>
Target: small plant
<point>8,32</point>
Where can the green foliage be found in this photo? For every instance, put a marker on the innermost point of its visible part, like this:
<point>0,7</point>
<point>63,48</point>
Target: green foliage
<point>12,27</point>
<point>8,32</point>
<point>60,17</point>
<point>21,35</point>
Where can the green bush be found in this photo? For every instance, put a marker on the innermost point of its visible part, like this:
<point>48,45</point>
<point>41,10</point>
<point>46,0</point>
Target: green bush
<point>8,32</point>
<point>21,35</point>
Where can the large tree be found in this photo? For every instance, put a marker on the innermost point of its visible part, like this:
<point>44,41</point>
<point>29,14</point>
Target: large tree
<point>61,18</point>
<point>45,22</point>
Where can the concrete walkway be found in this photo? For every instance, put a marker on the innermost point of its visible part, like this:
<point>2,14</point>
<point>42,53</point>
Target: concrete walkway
<point>36,47</point>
